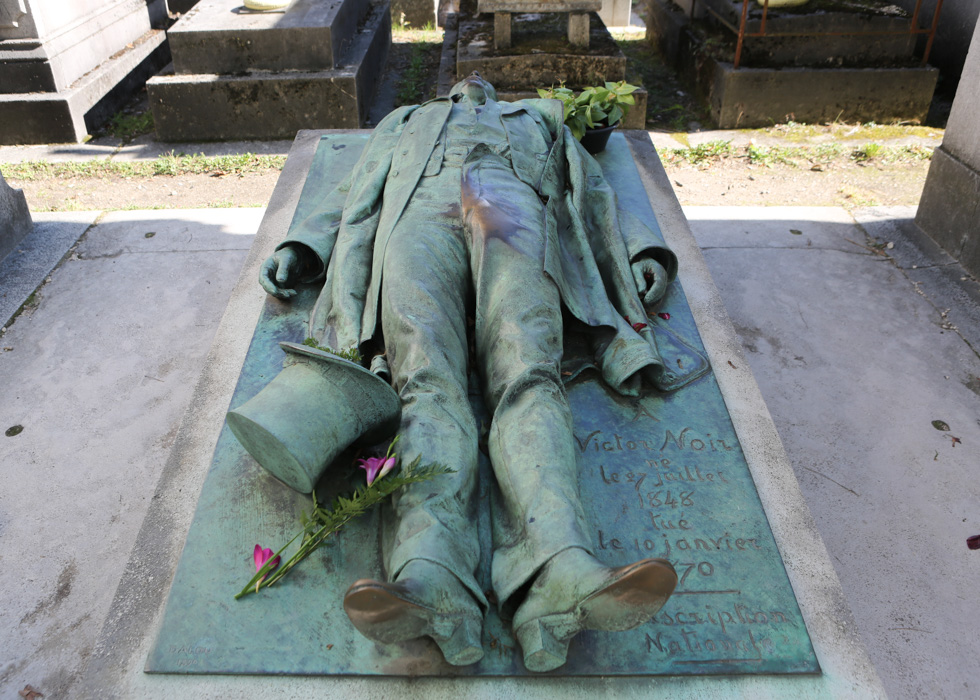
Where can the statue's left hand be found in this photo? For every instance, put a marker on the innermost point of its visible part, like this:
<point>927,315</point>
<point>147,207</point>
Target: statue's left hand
<point>651,280</point>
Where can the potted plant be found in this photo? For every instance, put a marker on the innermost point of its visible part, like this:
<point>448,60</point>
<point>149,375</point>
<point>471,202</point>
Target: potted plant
<point>595,112</point>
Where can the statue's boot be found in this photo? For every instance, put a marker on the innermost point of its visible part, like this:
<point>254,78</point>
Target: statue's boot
<point>425,601</point>
<point>575,592</point>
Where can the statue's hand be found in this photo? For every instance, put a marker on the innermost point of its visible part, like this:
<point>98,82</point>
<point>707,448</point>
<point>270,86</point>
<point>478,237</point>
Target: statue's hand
<point>651,280</point>
<point>279,272</point>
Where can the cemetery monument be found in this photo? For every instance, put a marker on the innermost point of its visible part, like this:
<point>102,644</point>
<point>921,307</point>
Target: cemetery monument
<point>527,227</point>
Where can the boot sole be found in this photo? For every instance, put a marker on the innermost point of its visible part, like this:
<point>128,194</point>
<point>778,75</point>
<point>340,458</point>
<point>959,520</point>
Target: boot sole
<point>384,616</point>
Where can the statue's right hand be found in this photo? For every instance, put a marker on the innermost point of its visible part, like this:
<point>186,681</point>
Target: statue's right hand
<point>279,272</point>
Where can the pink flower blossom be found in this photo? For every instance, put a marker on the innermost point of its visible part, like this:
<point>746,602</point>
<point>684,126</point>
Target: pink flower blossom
<point>261,556</point>
<point>376,467</point>
<point>664,315</point>
<point>636,326</point>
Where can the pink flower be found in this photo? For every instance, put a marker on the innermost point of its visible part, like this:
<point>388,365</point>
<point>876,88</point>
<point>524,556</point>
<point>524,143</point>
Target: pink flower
<point>261,556</point>
<point>376,467</point>
<point>636,326</point>
<point>664,315</point>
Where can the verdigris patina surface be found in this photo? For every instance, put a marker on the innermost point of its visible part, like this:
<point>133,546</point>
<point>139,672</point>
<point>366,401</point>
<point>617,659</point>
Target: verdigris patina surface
<point>462,209</point>
<point>661,475</point>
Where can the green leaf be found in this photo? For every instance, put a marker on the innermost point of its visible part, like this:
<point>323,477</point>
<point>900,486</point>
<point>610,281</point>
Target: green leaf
<point>615,115</point>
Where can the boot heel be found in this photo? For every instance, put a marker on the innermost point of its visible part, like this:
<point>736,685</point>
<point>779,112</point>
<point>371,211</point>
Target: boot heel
<point>543,651</point>
<point>464,646</point>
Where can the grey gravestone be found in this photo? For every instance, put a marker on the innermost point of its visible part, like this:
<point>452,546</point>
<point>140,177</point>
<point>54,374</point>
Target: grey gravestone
<point>15,218</point>
<point>240,74</point>
<point>949,206</point>
<point>810,67</point>
<point>66,65</point>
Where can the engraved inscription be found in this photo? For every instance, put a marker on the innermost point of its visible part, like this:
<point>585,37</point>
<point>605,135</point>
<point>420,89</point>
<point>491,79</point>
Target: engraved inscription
<point>680,489</point>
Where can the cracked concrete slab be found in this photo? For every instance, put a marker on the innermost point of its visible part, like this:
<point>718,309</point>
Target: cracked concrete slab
<point>96,375</point>
<point>854,362</point>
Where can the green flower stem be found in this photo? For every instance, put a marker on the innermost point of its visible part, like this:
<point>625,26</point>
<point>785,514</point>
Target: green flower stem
<point>324,522</point>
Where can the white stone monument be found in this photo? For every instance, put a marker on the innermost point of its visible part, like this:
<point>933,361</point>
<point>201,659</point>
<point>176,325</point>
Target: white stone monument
<point>61,60</point>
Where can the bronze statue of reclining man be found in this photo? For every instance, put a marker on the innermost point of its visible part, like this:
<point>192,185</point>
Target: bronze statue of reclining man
<point>465,206</point>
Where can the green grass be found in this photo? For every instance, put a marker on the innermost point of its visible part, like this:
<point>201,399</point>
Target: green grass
<point>870,131</point>
<point>424,49</point>
<point>167,164</point>
<point>705,154</point>
<point>412,88</point>
<point>129,126</point>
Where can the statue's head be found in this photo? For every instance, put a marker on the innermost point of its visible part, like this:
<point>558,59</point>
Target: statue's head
<point>474,88</point>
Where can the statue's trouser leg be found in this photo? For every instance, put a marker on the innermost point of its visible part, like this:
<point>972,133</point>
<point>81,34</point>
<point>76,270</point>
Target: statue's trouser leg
<point>519,348</point>
<point>425,293</point>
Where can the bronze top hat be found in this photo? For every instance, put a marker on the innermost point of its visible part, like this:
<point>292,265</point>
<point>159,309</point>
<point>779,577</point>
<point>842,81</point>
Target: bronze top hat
<point>314,409</point>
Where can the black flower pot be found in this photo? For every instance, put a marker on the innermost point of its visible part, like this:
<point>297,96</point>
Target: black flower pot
<point>595,140</point>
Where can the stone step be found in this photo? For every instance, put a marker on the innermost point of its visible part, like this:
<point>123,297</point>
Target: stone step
<point>53,59</point>
<point>67,116</point>
<point>222,37</point>
<point>274,104</point>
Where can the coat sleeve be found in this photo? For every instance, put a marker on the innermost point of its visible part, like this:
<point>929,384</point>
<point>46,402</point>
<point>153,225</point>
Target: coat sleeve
<point>354,200</point>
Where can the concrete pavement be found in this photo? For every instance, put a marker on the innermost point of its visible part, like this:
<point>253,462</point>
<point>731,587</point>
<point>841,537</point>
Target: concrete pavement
<point>856,353</point>
<point>98,371</point>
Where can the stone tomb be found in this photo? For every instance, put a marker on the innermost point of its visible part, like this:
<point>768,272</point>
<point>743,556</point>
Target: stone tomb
<point>265,75</point>
<point>67,65</point>
<point>577,12</point>
<point>662,475</point>
<point>809,67</point>
<point>539,52</point>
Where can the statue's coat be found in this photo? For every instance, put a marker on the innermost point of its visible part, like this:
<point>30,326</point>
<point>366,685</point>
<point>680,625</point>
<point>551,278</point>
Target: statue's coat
<point>590,242</point>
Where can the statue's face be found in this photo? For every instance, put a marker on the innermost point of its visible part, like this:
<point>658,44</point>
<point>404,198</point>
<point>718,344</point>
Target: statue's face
<point>474,88</point>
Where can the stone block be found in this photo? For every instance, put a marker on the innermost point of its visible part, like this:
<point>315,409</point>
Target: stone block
<point>962,137</point>
<point>828,46</point>
<point>616,13</point>
<point>755,97</point>
<point>578,29</point>
<point>540,54</point>
<point>67,116</point>
<point>273,105</point>
<point>67,40</point>
<point>15,217</point>
<point>538,5</point>
<point>949,210</point>
<point>220,36</point>
<point>501,30</point>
